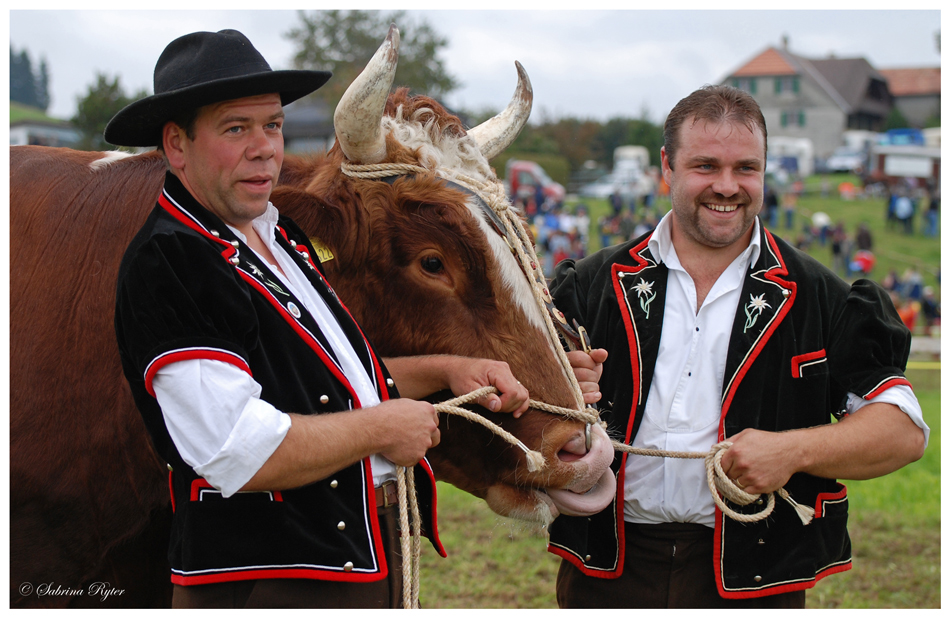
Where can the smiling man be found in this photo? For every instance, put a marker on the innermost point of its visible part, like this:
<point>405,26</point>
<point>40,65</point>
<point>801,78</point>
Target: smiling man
<point>717,330</point>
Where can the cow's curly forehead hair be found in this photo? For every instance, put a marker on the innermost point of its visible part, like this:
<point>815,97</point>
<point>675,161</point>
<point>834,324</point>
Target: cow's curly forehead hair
<point>435,137</point>
<point>713,104</point>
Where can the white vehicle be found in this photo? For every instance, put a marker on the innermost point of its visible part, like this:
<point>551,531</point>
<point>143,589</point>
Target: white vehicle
<point>845,160</point>
<point>638,154</point>
<point>629,182</point>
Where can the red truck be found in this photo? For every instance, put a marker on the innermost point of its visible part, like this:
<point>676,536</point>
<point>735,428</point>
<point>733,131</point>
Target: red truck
<point>522,178</point>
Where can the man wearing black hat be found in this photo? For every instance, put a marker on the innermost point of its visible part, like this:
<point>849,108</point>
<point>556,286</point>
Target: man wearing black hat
<point>236,351</point>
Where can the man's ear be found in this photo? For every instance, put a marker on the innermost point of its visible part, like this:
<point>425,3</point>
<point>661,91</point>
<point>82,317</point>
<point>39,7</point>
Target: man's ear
<point>173,138</point>
<point>666,166</point>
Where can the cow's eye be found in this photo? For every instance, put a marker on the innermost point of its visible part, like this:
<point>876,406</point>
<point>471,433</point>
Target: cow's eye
<point>432,265</point>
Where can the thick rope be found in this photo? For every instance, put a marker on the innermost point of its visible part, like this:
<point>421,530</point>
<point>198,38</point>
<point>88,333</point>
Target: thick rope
<point>721,485</point>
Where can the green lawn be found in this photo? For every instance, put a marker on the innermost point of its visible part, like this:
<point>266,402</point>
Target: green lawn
<point>496,562</point>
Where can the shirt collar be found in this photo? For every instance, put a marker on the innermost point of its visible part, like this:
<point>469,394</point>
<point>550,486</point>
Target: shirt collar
<point>661,242</point>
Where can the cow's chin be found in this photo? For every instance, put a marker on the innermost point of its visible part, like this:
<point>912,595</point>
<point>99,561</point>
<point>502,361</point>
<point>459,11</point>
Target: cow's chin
<point>587,486</point>
<point>594,500</point>
<point>543,506</point>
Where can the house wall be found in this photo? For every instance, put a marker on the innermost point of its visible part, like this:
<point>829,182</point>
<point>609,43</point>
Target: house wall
<point>824,121</point>
<point>918,109</point>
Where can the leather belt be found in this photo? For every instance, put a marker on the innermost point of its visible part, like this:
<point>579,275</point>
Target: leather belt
<point>387,495</point>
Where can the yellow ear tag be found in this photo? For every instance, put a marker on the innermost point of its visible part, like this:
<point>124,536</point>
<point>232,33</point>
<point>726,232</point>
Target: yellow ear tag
<point>323,252</point>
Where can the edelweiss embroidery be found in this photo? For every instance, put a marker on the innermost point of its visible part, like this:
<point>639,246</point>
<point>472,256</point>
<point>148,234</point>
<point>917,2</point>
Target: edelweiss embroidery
<point>644,288</point>
<point>260,275</point>
<point>754,309</point>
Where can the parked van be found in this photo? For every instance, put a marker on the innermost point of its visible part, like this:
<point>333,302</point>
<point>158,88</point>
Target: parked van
<point>523,177</point>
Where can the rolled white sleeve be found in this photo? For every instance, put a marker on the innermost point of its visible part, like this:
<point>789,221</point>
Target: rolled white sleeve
<point>218,423</point>
<point>901,396</point>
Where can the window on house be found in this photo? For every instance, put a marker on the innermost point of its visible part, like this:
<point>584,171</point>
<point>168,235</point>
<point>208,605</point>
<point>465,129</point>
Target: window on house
<point>744,83</point>
<point>787,83</point>
<point>793,118</point>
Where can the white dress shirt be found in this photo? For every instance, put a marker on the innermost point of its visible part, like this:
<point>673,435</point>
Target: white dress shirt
<point>212,409</point>
<point>684,403</point>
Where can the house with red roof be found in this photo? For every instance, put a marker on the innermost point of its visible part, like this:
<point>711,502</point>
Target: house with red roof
<point>916,92</point>
<point>818,99</point>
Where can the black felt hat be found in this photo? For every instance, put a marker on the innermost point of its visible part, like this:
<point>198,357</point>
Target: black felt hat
<point>199,69</point>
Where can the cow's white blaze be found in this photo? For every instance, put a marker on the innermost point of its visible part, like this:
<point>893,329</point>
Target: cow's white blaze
<point>457,158</point>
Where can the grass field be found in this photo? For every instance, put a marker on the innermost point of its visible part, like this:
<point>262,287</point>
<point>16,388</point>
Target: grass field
<point>496,562</point>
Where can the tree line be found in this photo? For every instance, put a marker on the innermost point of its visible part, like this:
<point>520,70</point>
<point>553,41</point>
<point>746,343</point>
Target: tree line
<point>28,86</point>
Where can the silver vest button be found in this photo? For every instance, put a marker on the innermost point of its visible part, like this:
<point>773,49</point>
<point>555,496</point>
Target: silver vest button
<point>348,567</point>
<point>390,383</point>
<point>341,525</point>
<point>334,484</point>
<point>324,399</point>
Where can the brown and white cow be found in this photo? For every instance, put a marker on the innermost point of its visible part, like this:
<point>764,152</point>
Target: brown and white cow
<point>414,259</point>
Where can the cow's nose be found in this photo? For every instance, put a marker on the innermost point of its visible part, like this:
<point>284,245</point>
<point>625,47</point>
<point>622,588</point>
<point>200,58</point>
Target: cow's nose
<point>575,448</point>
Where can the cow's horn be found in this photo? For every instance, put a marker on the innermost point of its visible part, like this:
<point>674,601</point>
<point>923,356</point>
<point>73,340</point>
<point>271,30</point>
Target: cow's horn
<point>358,115</point>
<point>497,133</point>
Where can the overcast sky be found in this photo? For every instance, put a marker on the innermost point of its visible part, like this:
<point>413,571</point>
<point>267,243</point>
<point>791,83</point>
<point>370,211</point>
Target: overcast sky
<point>588,64</point>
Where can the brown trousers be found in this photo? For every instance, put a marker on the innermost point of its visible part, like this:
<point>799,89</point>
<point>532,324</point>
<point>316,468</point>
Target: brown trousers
<point>666,566</point>
<point>307,593</point>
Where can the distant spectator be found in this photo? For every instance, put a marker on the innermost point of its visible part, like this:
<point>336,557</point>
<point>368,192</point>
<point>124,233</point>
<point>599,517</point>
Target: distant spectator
<point>846,191</point>
<point>608,226</point>
<point>647,223</point>
<point>912,284</point>
<point>582,221</point>
<point>892,282</point>
<point>839,261</point>
<point>539,198</point>
<point>616,201</point>
<point>771,206</point>
<point>907,310</point>
<point>863,238</point>
<point>904,212</point>
<point>933,211</point>
<point>790,203</point>
<point>627,225</point>
<point>930,308</point>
